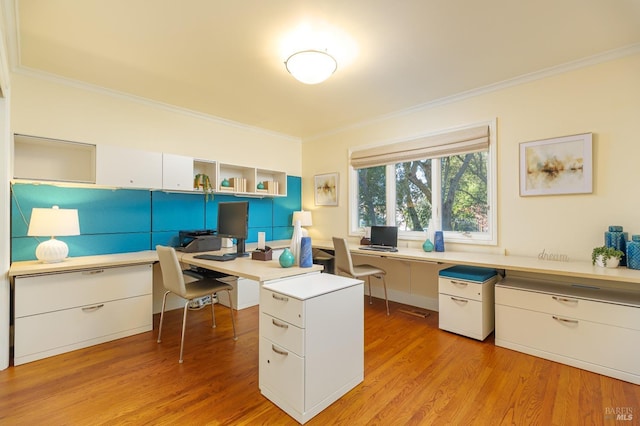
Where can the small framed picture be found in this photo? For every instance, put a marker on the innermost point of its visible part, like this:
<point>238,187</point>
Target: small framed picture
<point>557,166</point>
<point>326,189</point>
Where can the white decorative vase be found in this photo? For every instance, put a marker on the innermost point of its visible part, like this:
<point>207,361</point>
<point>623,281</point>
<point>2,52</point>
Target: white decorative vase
<point>295,242</point>
<point>612,262</point>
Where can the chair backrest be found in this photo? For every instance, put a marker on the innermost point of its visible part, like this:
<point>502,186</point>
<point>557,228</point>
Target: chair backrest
<point>172,277</point>
<point>343,262</point>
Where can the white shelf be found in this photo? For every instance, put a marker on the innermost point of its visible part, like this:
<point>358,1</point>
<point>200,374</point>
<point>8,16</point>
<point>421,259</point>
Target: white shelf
<point>37,158</point>
<point>42,159</point>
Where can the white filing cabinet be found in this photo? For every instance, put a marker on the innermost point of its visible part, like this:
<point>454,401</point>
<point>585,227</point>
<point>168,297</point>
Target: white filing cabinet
<point>311,341</point>
<point>60,312</point>
<point>589,327</point>
<point>465,301</point>
<point>245,293</point>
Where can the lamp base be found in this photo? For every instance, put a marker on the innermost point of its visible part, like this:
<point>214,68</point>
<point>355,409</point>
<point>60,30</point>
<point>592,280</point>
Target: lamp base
<point>52,251</point>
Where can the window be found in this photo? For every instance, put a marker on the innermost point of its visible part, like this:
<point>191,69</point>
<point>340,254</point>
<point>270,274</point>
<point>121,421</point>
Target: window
<point>453,184</point>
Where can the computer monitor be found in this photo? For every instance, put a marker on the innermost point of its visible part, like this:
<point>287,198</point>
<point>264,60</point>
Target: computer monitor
<point>384,236</point>
<point>233,222</point>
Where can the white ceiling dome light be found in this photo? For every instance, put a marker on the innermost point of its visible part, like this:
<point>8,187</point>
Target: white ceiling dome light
<point>311,66</point>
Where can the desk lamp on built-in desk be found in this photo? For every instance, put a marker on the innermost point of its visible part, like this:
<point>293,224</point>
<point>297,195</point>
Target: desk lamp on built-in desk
<point>305,220</point>
<point>51,223</point>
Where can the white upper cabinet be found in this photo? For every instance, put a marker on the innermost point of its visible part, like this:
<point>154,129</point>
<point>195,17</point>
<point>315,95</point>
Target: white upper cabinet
<point>128,168</point>
<point>177,172</point>
<point>36,158</point>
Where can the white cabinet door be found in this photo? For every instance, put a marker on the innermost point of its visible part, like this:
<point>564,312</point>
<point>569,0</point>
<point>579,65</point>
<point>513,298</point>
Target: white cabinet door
<point>128,168</point>
<point>177,172</point>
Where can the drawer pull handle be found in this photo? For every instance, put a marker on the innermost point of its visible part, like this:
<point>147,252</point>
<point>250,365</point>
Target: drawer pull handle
<point>279,324</point>
<point>278,351</point>
<point>93,272</point>
<point>565,320</point>
<point>459,283</point>
<point>281,298</point>
<point>455,299</point>
<point>564,299</point>
<point>93,308</point>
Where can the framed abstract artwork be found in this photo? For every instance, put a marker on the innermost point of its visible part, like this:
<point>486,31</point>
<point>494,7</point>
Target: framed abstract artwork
<point>326,189</point>
<point>557,166</point>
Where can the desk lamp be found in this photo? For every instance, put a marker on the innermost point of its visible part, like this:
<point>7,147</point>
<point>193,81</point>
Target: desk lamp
<point>49,223</point>
<point>305,220</point>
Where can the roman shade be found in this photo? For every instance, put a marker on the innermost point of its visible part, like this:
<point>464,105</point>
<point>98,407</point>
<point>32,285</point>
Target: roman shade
<point>463,141</point>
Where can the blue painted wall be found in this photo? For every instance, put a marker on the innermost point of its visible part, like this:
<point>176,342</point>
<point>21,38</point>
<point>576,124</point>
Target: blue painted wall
<point>125,220</point>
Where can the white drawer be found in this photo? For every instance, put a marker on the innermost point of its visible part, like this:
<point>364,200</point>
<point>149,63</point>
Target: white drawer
<point>47,293</point>
<point>464,316</point>
<point>282,373</point>
<point>282,307</point>
<point>466,289</point>
<point>608,346</point>
<point>57,332</point>
<point>282,333</point>
<point>571,307</point>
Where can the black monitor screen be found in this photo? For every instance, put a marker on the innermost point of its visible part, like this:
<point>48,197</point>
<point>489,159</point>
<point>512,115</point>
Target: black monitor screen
<point>233,222</point>
<point>384,236</point>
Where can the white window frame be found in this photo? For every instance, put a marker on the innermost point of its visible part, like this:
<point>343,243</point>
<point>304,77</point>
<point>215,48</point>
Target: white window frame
<point>480,238</point>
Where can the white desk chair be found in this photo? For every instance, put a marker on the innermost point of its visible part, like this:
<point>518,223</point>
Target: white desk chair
<point>344,265</point>
<point>173,281</point>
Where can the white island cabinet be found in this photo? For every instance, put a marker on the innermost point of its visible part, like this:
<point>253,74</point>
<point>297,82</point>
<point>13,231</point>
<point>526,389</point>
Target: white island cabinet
<point>311,341</point>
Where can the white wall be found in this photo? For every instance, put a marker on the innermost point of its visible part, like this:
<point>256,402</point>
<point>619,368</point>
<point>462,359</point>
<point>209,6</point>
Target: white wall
<point>602,98</point>
<point>58,109</point>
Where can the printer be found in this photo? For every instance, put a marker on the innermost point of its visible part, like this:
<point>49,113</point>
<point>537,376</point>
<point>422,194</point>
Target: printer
<point>195,241</point>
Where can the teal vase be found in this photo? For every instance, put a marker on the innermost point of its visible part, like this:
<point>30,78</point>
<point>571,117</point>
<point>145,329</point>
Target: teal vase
<point>287,259</point>
<point>427,245</point>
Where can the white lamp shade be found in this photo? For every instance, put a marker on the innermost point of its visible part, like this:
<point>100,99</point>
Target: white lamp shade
<point>49,223</point>
<point>53,222</point>
<point>304,217</point>
<point>311,66</point>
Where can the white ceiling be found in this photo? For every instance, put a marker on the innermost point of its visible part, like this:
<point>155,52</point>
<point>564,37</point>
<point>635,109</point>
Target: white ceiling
<point>225,57</point>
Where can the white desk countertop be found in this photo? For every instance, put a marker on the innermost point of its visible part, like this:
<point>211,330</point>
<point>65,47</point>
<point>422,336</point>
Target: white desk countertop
<point>575,268</point>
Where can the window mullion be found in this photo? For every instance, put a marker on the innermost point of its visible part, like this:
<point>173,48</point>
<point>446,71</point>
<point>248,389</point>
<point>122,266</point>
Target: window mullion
<point>436,193</point>
<point>391,194</point>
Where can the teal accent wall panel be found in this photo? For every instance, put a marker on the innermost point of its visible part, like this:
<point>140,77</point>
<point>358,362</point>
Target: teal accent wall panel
<point>283,207</point>
<point>99,210</point>
<point>282,232</point>
<point>173,211</point>
<point>24,248</point>
<point>128,220</point>
<point>169,238</point>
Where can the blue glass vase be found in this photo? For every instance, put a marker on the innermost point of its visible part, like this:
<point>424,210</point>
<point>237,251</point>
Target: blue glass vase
<point>633,252</point>
<point>439,241</point>
<point>306,256</point>
<point>287,259</point>
<point>617,239</point>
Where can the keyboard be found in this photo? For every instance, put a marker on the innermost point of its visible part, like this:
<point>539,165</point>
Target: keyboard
<point>379,248</point>
<point>216,257</point>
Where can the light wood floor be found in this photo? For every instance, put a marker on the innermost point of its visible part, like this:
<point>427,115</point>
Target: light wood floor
<point>415,374</point>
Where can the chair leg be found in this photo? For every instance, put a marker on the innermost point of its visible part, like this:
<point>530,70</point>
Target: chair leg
<point>164,301</point>
<point>213,312</point>
<point>386,299</point>
<point>233,321</point>
<point>184,323</point>
<point>369,282</point>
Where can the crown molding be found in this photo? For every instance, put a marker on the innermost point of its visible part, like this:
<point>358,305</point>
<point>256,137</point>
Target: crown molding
<point>522,79</point>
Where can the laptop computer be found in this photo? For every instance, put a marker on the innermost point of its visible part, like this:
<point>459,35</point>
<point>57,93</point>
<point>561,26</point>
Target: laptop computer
<point>383,238</point>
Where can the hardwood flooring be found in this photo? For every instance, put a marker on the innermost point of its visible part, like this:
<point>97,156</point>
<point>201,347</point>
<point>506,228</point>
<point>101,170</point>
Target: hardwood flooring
<point>415,374</point>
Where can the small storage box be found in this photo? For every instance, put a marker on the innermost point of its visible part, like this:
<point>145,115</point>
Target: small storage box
<point>466,300</point>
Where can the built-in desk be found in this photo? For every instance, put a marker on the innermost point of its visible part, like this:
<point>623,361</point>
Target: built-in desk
<point>570,312</point>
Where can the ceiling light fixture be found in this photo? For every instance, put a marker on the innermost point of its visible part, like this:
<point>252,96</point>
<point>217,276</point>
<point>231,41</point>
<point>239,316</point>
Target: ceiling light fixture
<point>311,66</point>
